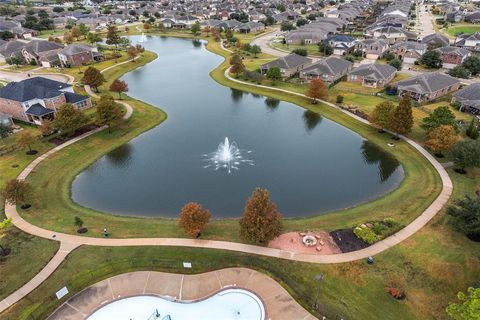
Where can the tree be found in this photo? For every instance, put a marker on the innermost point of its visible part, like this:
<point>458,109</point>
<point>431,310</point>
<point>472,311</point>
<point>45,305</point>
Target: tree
<point>84,30</point>
<point>68,118</point>
<point>441,139</point>
<point>58,9</point>
<point>472,64</point>
<point>286,26</point>
<point>255,50</point>
<point>146,26</point>
<point>472,130</point>
<point>5,130</point>
<point>132,52</point>
<point>46,128</point>
<point>68,37</point>
<point>78,222</point>
<point>274,74</point>
<point>14,60</point>
<point>301,22</point>
<point>465,215</point>
<point>381,116</point>
<point>261,222</point>
<point>16,191</point>
<point>469,306</point>
<point>466,154</point>
<point>402,118</point>
<point>4,226</point>
<point>25,139</point>
<point>195,28</point>
<point>325,49</point>
<point>396,63</point>
<point>300,52</point>
<point>113,35</point>
<point>194,219</point>
<point>431,59</point>
<point>76,33</point>
<point>237,65</point>
<point>440,116</point>
<point>119,86</point>
<point>460,72</point>
<point>93,37</point>
<point>108,111</point>
<point>316,90</point>
<point>216,34</point>
<point>6,35</point>
<point>93,77</point>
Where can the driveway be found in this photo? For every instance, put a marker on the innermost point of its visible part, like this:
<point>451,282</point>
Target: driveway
<point>425,20</point>
<point>8,76</point>
<point>264,43</point>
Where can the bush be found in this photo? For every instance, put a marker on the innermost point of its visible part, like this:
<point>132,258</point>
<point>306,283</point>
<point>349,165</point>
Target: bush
<point>339,99</point>
<point>374,231</point>
<point>300,52</point>
<point>365,234</point>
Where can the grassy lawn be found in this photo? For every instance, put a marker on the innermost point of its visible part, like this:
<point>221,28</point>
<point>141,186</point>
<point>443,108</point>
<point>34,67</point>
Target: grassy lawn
<point>430,267</point>
<point>463,28</point>
<point>312,49</point>
<point>52,33</point>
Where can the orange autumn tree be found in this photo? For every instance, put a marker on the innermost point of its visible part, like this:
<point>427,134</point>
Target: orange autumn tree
<point>194,219</point>
<point>317,90</point>
<point>119,86</point>
<point>441,139</point>
<point>261,222</point>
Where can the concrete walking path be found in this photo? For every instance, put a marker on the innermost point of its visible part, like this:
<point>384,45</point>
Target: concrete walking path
<point>76,240</point>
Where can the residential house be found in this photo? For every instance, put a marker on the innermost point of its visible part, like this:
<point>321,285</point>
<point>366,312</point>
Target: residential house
<point>427,86</point>
<point>11,49</point>
<point>16,28</point>
<point>288,65</point>
<point>372,75</point>
<point>408,51</point>
<point>31,51</point>
<point>469,41</point>
<point>372,48</point>
<point>35,99</point>
<point>341,44</point>
<point>250,27</point>
<point>452,56</point>
<point>78,54</point>
<point>394,34</point>
<point>329,70</point>
<point>436,40</point>
<point>468,98</point>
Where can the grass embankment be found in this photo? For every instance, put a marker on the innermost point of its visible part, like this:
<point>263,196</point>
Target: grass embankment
<point>462,28</point>
<point>431,267</point>
<point>54,209</point>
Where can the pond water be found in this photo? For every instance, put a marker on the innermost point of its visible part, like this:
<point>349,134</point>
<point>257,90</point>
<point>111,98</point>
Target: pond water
<point>309,164</point>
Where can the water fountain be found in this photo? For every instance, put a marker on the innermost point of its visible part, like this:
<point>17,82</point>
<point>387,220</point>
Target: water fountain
<point>228,156</point>
<point>143,38</point>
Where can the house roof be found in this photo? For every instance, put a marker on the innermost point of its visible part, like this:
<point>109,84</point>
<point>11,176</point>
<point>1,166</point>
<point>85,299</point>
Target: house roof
<point>38,46</point>
<point>427,82</point>
<point>37,87</point>
<point>374,71</point>
<point>471,92</point>
<point>76,48</point>
<point>74,97</point>
<point>291,61</point>
<point>454,50</point>
<point>38,110</point>
<point>330,66</point>
<point>436,38</point>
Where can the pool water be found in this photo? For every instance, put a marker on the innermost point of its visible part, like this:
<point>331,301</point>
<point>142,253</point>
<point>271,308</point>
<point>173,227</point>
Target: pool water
<point>230,304</point>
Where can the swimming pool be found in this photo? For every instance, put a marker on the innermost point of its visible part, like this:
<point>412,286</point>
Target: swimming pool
<point>230,304</point>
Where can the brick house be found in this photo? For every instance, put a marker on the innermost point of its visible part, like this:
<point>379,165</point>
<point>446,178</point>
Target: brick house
<point>408,51</point>
<point>372,48</point>
<point>78,54</point>
<point>427,86</point>
<point>452,56</point>
<point>329,69</point>
<point>372,75</point>
<point>35,99</point>
<point>288,65</point>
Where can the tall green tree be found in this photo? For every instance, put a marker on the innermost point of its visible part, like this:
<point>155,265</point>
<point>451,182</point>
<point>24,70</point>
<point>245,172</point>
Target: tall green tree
<point>439,117</point>
<point>93,37</point>
<point>255,50</point>
<point>195,28</point>
<point>261,222</point>
<point>466,154</point>
<point>93,77</point>
<point>26,139</point>
<point>68,119</point>
<point>113,35</point>
<point>274,74</point>
<point>469,306</point>
<point>402,118</point>
<point>381,116</point>
<point>108,111</point>
<point>472,64</point>
<point>4,227</point>
<point>465,215</point>
<point>472,130</point>
<point>431,59</point>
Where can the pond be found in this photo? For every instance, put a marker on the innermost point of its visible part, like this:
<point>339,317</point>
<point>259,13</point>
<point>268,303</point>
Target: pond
<point>309,164</point>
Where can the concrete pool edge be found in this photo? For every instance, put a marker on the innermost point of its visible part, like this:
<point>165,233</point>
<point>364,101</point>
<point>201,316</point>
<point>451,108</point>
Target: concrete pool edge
<point>276,301</point>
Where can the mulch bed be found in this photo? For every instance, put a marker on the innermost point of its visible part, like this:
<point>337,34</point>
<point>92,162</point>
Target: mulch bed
<point>60,139</point>
<point>347,241</point>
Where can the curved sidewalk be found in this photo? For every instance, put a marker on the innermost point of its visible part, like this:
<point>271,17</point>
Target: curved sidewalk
<point>75,240</point>
<point>172,286</point>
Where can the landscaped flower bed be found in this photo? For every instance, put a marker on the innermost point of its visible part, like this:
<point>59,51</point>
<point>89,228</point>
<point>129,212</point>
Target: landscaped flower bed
<point>374,231</point>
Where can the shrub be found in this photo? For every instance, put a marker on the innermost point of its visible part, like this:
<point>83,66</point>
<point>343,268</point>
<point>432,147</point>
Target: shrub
<point>365,234</point>
<point>339,99</point>
<point>374,231</point>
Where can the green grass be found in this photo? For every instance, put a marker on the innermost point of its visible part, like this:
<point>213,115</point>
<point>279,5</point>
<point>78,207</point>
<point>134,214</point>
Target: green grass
<point>55,210</point>
<point>312,49</point>
<point>458,29</point>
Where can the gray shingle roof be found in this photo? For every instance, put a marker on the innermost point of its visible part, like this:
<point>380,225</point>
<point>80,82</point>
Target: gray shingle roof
<point>32,88</point>
<point>374,71</point>
<point>291,61</point>
<point>330,66</point>
<point>38,110</point>
<point>472,92</point>
<point>427,82</point>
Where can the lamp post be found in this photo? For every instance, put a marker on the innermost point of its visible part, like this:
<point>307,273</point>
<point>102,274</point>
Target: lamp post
<point>318,279</point>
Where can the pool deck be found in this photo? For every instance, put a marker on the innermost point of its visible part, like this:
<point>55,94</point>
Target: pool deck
<point>278,302</point>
